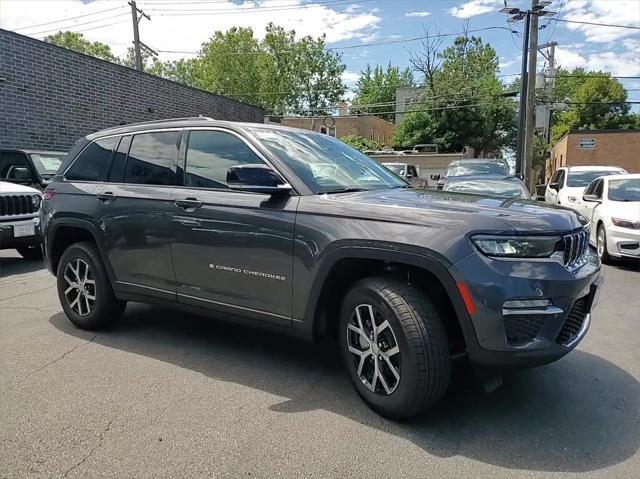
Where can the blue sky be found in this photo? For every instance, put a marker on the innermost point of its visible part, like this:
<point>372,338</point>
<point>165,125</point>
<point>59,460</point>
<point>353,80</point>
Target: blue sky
<point>183,26</point>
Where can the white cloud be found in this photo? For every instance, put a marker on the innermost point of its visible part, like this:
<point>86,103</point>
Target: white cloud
<point>417,14</point>
<point>618,63</point>
<point>475,7</point>
<point>615,12</point>
<point>185,32</point>
<point>504,63</point>
<point>350,78</point>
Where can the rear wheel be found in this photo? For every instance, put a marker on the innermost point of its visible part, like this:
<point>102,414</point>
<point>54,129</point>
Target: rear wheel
<point>31,252</point>
<point>601,245</point>
<point>394,346</point>
<point>84,288</point>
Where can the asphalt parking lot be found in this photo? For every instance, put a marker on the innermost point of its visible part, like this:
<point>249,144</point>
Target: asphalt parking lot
<point>165,394</point>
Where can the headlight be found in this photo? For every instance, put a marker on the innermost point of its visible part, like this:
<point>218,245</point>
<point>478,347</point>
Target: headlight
<point>517,246</point>
<point>35,201</point>
<point>634,225</point>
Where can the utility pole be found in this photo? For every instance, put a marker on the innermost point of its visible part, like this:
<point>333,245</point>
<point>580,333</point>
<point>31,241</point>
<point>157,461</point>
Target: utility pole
<point>550,78</point>
<point>136,35</point>
<point>526,126</point>
<point>530,108</point>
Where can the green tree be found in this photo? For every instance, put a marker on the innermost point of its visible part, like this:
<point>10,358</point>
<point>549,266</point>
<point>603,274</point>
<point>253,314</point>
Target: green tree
<point>77,42</point>
<point>465,103</point>
<point>378,87</point>
<point>361,143</point>
<point>593,100</point>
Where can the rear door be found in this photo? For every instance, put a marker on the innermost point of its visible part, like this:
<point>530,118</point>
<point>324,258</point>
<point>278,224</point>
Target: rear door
<point>136,215</point>
<point>233,250</point>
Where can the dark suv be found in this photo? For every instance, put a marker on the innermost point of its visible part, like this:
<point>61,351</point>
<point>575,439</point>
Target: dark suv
<point>298,232</point>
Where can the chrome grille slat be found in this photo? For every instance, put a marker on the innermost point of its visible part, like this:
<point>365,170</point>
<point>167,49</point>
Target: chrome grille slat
<point>575,247</point>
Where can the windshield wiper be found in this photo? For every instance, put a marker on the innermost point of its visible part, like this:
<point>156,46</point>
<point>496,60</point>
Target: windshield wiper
<point>342,190</point>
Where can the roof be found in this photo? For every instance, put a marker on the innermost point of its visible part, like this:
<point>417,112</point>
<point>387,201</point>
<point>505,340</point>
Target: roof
<point>26,150</point>
<point>456,179</point>
<point>188,123</point>
<point>626,176</point>
<point>591,168</point>
<point>596,132</point>
<point>478,160</point>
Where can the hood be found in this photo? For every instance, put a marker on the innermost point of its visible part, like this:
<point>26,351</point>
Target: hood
<point>473,212</point>
<point>12,188</point>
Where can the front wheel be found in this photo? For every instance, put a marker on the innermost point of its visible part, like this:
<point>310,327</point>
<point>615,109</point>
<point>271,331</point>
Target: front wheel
<point>394,346</point>
<point>601,245</point>
<point>84,288</point>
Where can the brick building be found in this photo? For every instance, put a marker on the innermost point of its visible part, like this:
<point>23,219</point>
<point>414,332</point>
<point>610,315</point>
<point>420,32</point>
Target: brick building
<point>370,127</point>
<point>596,147</point>
<point>51,96</point>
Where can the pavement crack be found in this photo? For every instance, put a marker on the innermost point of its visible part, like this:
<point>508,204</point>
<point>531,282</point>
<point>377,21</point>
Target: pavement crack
<point>94,448</point>
<point>59,358</point>
<point>27,293</point>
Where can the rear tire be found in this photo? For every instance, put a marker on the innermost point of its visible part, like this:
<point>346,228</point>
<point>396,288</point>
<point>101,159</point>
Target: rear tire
<point>84,288</point>
<point>601,245</point>
<point>31,252</point>
<point>406,320</point>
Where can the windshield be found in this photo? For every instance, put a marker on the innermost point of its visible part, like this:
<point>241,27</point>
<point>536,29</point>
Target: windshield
<point>398,169</point>
<point>324,164</point>
<point>624,190</point>
<point>47,163</point>
<point>581,179</point>
<point>477,168</point>
<point>506,188</point>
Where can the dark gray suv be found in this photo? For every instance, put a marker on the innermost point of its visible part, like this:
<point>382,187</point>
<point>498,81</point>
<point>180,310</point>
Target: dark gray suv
<point>298,232</point>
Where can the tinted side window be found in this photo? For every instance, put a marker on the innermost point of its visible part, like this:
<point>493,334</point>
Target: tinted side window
<point>561,179</point>
<point>150,157</point>
<point>210,154</point>
<point>598,189</point>
<point>119,159</point>
<point>94,162</point>
<point>555,176</point>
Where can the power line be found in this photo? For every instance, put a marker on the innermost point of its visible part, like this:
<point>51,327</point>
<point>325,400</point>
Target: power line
<point>67,19</point>
<point>69,27</point>
<point>596,24</point>
<point>223,11</point>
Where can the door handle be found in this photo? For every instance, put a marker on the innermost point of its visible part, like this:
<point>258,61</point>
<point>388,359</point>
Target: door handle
<point>188,203</point>
<point>106,196</point>
<point>186,222</point>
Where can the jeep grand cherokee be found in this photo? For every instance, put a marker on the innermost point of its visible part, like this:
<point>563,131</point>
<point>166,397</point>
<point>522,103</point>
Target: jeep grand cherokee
<point>298,232</point>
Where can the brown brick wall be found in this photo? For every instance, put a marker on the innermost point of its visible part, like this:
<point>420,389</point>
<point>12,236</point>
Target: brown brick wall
<point>618,148</point>
<point>369,127</point>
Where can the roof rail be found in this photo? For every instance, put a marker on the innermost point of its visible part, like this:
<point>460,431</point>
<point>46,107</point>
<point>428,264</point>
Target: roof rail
<point>167,120</point>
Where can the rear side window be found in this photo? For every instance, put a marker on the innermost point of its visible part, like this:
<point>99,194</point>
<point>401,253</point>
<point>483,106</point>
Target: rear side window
<point>150,157</point>
<point>210,154</point>
<point>94,162</point>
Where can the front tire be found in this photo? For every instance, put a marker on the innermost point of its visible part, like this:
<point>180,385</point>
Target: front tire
<point>601,245</point>
<point>84,288</point>
<point>31,252</point>
<point>394,346</point>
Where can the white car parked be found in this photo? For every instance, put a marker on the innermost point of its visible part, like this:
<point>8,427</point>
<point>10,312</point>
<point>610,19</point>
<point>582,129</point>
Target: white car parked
<point>612,203</point>
<point>19,219</point>
<point>567,183</point>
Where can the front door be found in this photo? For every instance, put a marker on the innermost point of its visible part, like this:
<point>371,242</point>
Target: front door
<point>233,251</point>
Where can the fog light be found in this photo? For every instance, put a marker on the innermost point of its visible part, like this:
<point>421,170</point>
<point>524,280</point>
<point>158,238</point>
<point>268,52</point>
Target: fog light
<point>527,303</point>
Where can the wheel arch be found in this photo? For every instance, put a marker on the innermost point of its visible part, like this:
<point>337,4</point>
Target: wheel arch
<point>427,270</point>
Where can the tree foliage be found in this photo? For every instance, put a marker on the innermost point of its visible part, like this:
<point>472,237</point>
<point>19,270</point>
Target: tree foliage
<point>77,42</point>
<point>463,104</point>
<point>593,100</point>
<point>378,86</point>
<point>361,143</point>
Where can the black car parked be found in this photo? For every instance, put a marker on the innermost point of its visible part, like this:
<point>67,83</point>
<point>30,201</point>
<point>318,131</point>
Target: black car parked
<point>298,232</point>
<point>29,167</point>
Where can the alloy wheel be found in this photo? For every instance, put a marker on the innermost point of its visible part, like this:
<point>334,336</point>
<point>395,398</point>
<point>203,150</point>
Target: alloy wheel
<point>375,350</point>
<point>80,290</point>
<point>600,242</point>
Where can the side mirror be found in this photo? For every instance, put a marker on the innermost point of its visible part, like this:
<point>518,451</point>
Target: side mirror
<point>435,176</point>
<point>19,173</point>
<point>591,198</point>
<point>554,186</point>
<point>256,179</point>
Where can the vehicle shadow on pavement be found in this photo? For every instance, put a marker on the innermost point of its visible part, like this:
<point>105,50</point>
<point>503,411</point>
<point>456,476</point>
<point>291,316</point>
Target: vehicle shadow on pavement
<point>12,265</point>
<point>580,414</point>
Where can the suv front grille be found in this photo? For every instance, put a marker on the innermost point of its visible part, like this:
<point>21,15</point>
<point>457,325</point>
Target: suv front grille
<point>573,324</point>
<point>521,329</point>
<point>16,205</point>
<point>575,247</point>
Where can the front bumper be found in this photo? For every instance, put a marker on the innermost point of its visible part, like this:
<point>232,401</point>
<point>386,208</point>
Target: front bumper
<point>8,237</point>
<point>520,335</point>
<point>623,242</point>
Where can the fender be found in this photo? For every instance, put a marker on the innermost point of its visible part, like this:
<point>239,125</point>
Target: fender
<point>80,223</point>
<point>422,258</point>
